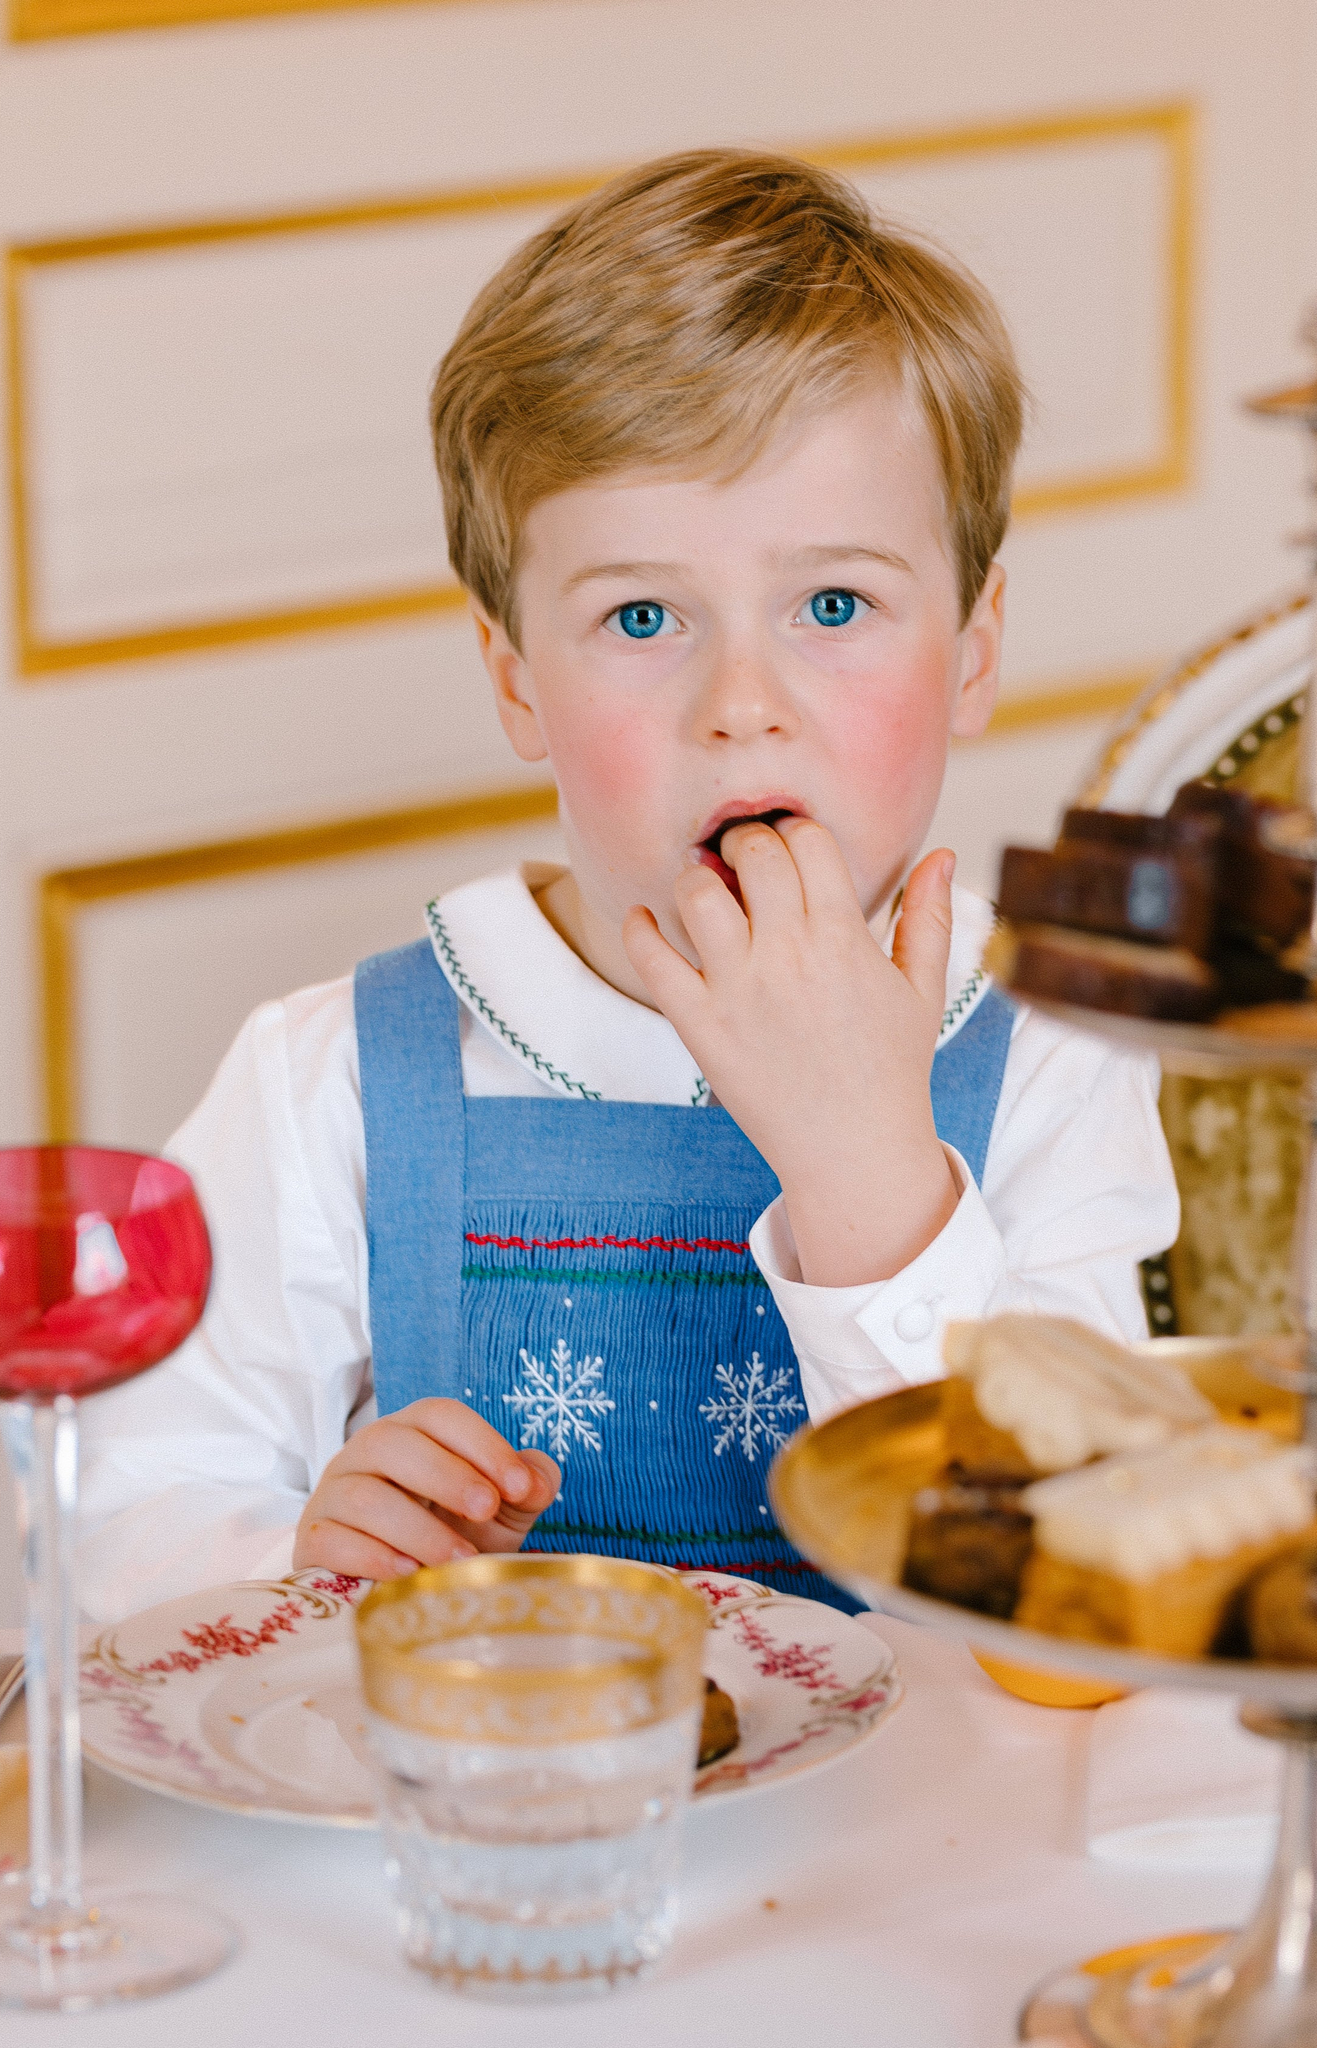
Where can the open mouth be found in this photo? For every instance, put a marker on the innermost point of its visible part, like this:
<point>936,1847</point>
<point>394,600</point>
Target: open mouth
<point>709,851</point>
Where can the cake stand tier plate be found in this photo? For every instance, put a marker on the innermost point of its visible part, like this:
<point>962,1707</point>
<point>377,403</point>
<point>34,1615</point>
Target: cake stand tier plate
<point>1274,1037</point>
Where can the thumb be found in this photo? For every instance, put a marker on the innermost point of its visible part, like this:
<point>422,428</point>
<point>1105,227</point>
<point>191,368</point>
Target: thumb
<point>923,934</point>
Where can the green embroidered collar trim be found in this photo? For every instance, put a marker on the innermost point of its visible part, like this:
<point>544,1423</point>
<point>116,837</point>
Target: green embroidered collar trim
<point>462,982</point>
<point>952,1017</point>
<point>442,940</point>
<point>956,1012</point>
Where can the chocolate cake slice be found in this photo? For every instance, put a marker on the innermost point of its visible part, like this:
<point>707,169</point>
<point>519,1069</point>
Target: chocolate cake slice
<point>1101,973</point>
<point>1167,895</point>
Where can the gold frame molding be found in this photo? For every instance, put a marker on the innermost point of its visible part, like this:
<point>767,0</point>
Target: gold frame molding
<point>1172,124</point>
<point>37,20</point>
<point>62,895</point>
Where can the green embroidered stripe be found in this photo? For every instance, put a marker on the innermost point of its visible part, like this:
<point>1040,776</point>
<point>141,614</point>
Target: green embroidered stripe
<point>760,1535</point>
<point>588,1276</point>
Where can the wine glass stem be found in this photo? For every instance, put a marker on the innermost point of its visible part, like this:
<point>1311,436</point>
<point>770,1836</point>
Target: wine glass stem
<point>43,1450</point>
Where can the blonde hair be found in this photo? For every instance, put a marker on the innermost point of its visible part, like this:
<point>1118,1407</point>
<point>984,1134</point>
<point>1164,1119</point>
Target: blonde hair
<point>674,318</point>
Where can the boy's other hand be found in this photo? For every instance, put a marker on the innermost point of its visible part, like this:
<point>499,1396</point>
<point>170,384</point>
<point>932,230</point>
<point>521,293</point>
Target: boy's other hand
<point>430,1483</point>
<point>817,1043</point>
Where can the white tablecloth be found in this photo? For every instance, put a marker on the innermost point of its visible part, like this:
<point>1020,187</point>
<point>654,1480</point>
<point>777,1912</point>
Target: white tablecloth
<point>918,1889</point>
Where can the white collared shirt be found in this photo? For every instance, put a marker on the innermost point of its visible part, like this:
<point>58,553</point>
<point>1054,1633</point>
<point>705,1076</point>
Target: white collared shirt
<point>198,1471</point>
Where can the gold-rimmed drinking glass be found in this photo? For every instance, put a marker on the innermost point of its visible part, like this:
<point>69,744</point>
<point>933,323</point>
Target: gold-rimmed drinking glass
<point>535,1727</point>
<point>534,1722</point>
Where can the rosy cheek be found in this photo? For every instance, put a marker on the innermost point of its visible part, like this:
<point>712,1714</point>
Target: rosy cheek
<point>608,767</point>
<point>896,745</point>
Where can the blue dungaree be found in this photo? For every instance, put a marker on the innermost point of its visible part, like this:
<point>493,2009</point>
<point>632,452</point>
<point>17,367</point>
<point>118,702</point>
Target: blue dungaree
<point>579,1273</point>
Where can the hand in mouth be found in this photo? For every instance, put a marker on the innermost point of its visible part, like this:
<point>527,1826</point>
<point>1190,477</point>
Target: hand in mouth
<point>709,850</point>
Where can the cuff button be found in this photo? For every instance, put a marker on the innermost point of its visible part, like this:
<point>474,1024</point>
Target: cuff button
<point>913,1322</point>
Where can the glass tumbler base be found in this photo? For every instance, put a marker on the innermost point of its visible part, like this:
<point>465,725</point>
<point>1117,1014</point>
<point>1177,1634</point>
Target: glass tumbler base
<point>129,1945</point>
<point>1077,2007</point>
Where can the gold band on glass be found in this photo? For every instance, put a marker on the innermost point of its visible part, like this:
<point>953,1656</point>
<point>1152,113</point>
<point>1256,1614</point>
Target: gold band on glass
<point>656,1621</point>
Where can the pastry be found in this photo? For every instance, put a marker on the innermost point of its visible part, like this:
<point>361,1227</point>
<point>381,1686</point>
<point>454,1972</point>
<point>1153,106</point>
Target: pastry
<point>720,1731</point>
<point>1280,1610</point>
<point>1102,973</point>
<point>1129,892</point>
<point>1251,977</point>
<point>1191,829</point>
<point>1035,1394</point>
<point>968,1543</point>
<point>1151,1549</point>
<point>1173,917</point>
<point>1264,894</point>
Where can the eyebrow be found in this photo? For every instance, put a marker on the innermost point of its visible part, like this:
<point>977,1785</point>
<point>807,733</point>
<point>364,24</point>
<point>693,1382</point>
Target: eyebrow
<point>602,571</point>
<point>792,558</point>
<point>842,551</point>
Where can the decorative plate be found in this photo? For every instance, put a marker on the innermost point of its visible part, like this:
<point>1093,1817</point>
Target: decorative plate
<point>246,1696</point>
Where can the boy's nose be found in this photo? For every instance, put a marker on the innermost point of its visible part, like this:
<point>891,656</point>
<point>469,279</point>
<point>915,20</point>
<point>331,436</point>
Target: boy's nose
<point>744,699</point>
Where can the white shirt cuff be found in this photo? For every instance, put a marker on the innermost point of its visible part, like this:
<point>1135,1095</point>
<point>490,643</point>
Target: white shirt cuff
<point>857,1342</point>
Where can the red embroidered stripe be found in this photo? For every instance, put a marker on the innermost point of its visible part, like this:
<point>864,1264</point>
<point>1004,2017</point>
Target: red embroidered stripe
<point>621,1244</point>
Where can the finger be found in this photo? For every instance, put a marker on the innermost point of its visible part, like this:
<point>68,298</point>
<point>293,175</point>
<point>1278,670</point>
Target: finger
<point>396,1451</point>
<point>718,926</point>
<point>676,986</point>
<point>923,933</point>
<point>330,1546</point>
<point>361,1500</point>
<point>457,1428</point>
<point>825,880</point>
<point>770,884</point>
<point>511,1525</point>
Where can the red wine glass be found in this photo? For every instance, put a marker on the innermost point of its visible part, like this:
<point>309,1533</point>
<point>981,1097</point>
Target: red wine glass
<point>104,1267</point>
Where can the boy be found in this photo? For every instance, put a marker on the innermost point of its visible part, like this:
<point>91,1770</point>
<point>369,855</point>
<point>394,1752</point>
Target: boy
<point>574,1213</point>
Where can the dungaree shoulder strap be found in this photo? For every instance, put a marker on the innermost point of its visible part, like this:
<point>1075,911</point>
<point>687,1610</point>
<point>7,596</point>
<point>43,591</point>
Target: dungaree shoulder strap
<point>967,1076</point>
<point>409,1047</point>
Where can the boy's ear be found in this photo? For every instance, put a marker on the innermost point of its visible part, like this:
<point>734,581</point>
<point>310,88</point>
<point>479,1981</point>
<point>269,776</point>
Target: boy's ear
<point>510,676</point>
<point>980,658</point>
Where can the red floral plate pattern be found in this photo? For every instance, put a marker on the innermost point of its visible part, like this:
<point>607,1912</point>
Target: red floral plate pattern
<point>246,1696</point>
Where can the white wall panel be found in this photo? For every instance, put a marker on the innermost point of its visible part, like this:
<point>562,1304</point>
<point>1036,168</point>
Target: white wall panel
<point>1071,237</point>
<point>241,426</point>
<point>220,428</point>
<point>166,976</point>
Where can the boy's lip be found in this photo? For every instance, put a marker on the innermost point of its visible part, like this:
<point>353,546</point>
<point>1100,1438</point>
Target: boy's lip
<point>740,811</point>
<point>708,848</point>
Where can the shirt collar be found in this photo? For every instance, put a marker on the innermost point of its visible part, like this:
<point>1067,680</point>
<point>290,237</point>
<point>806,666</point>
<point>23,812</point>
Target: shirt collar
<point>578,1034</point>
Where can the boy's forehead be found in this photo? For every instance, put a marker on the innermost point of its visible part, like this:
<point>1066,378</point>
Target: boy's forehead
<point>860,476</point>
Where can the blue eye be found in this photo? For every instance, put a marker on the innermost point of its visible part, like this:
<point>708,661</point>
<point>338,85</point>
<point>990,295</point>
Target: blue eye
<point>639,621</point>
<point>832,607</point>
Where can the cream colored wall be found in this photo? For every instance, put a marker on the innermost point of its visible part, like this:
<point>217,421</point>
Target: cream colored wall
<point>146,509</point>
<point>149,507</point>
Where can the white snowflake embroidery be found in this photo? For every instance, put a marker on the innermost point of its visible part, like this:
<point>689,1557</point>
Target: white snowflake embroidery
<point>751,1406</point>
<point>559,1399</point>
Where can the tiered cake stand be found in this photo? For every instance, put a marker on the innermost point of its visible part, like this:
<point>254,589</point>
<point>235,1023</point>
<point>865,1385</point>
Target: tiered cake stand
<point>843,1492</point>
